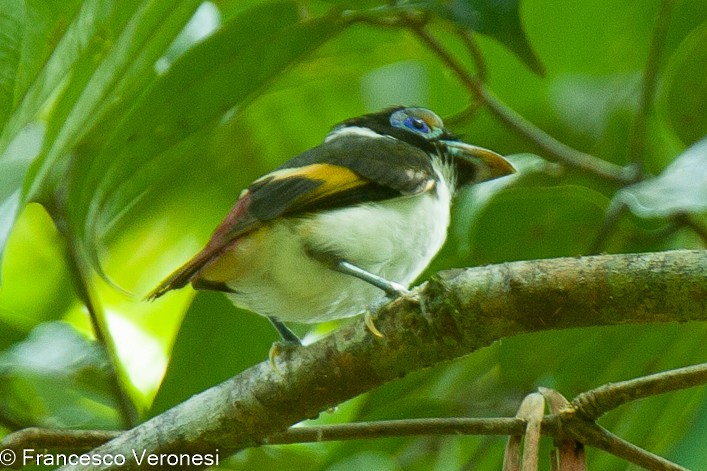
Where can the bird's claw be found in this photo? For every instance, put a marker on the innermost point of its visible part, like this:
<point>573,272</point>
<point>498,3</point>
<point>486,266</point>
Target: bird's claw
<point>280,347</point>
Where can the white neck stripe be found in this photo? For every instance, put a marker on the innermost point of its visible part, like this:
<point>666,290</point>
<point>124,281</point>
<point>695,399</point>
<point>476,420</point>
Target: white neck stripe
<point>352,131</point>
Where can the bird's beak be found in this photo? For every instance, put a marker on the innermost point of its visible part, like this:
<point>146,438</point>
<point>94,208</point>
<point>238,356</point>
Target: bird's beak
<point>477,164</point>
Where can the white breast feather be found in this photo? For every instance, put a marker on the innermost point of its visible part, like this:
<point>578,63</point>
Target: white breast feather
<point>395,239</point>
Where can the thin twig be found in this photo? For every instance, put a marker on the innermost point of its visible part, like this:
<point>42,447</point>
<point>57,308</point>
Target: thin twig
<point>126,407</point>
<point>9,422</point>
<point>469,42</point>
<point>399,428</point>
<point>613,214</point>
<point>82,284</point>
<point>481,72</point>
<point>557,426</point>
<point>650,80</point>
<point>464,115</point>
<point>516,122</point>
<point>593,404</point>
<point>591,434</point>
<point>57,440</point>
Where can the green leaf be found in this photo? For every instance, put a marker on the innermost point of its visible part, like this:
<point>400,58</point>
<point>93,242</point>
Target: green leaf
<point>377,460</point>
<point>681,188</point>
<point>35,247</point>
<point>72,55</point>
<point>55,377</point>
<point>28,32</point>
<point>216,341</point>
<point>108,74</point>
<point>163,135</point>
<point>683,96</point>
<point>546,222</point>
<point>11,19</point>
<point>14,162</point>
<point>499,19</point>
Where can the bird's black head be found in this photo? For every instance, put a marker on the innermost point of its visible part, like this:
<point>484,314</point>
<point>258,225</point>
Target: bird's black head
<point>425,130</point>
<point>419,127</point>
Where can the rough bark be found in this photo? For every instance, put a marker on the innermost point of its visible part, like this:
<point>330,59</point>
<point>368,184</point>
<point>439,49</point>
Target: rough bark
<point>455,313</point>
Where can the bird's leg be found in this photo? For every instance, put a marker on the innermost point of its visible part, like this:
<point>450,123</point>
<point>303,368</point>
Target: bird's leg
<point>287,335</point>
<point>390,288</point>
<point>289,340</point>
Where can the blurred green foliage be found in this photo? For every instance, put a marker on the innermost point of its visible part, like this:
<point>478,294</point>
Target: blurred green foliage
<point>136,124</point>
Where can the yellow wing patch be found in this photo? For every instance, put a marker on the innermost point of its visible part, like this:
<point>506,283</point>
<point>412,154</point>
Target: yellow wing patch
<point>332,175</point>
<point>334,178</point>
<point>331,179</point>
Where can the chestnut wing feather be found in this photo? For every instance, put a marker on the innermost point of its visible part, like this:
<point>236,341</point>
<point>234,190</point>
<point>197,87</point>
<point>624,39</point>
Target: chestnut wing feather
<point>347,171</point>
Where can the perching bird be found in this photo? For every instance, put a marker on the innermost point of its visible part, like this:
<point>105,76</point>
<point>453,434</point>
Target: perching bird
<point>341,225</point>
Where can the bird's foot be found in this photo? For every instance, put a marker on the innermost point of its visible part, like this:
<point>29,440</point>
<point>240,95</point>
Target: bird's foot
<point>395,290</point>
<point>281,347</point>
<point>368,319</point>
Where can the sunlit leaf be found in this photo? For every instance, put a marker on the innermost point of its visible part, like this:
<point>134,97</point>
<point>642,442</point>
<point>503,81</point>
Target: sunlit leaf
<point>27,37</point>
<point>58,82</point>
<point>14,162</point>
<point>123,44</point>
<point>35,247</point>
<point>30,30</point>
<point>498,19</point>
<point>681,188</point>
<point>157,136</point>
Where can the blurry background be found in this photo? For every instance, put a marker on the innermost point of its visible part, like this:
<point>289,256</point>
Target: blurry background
<point>128,129</point>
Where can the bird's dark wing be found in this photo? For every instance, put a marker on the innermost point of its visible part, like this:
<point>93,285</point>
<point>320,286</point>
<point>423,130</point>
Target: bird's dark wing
<point>385,161</point>
<point>346,171</point>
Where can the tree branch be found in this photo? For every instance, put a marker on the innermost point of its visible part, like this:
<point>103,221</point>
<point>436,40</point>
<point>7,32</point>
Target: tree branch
<point>397,17</point>
<point>572,425</point>
<point>81,280</point>
<point>595,403</point>
<point>650,80</point>
<point>519,124</point>
<point>589,433</point>
<point>455,313</point>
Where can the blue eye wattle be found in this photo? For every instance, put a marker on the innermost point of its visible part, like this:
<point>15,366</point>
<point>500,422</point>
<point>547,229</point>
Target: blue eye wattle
<point>416,125</point>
